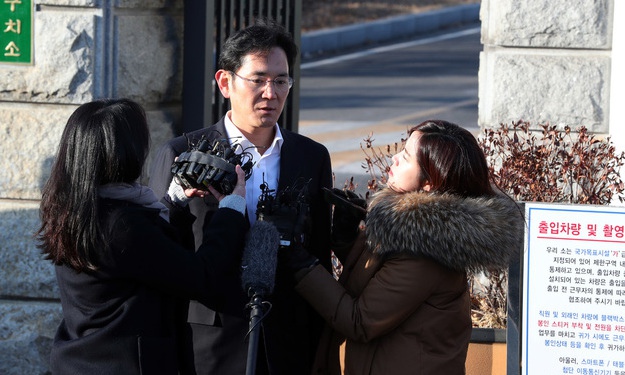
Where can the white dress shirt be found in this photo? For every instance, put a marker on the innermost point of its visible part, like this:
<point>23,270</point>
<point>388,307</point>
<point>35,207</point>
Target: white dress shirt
<point>266,167</point>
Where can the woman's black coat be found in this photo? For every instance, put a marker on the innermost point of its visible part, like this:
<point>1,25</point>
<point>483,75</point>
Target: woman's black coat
<point>127,317</point>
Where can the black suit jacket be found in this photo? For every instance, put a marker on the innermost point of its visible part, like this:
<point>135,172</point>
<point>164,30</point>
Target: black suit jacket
<point>292,328</point>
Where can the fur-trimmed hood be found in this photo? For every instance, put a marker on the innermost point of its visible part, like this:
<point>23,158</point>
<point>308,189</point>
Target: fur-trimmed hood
<point>469,234</point>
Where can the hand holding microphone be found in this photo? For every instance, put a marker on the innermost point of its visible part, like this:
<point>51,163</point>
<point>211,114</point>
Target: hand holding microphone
<point>238,189</point>
<point>349,210</point>
<point>296,258</point>
<point>181,196</point>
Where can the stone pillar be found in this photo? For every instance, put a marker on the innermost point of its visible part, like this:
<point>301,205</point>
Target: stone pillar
<point>82,50</point>
<point>617,92</point>
<point>546,61</point>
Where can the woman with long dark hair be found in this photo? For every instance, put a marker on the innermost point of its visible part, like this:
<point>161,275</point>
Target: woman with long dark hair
<point>401,305</point>
<point>123,273</point>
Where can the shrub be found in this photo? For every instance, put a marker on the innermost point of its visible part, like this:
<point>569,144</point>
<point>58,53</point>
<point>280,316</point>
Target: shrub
<point>550,165</point>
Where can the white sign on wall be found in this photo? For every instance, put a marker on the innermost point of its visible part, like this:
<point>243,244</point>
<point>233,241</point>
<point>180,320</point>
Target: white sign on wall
<point>574,290</point>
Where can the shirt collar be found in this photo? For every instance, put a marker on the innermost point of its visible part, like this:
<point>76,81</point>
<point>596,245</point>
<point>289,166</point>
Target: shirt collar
<point>236,137</point>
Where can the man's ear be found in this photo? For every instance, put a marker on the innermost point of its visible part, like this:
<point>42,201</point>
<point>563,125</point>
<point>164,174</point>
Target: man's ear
<point>223,79</point>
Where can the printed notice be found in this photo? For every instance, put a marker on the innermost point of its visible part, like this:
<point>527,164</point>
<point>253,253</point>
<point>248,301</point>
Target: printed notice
<point>574,290</point>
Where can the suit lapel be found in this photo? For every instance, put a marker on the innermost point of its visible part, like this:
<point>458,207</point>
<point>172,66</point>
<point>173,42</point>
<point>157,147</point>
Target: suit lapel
<point>289,167</point>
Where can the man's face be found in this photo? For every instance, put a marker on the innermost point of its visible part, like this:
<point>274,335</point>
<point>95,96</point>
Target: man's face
<point>256,105</point>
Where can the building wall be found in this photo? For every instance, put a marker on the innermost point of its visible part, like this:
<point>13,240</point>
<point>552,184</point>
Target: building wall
<point>83,50</point>
<point>617,89</point>
<point>546,61</point>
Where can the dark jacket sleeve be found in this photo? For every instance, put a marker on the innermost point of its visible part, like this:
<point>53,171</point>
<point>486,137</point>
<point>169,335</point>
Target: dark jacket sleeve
<point>160,170</point>
<point>182,219</point>
<point>143,250</point>
<point>399,287</point>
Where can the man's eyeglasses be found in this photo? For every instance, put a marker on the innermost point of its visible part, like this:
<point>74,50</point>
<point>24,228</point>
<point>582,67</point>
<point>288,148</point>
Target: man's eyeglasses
<point>281,84</point>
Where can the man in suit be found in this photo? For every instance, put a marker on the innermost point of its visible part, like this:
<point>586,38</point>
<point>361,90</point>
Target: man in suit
<point>253,74</point>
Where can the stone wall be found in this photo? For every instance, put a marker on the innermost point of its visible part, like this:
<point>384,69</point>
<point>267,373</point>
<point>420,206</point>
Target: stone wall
<point>83,50</point>
<point>546,61</point>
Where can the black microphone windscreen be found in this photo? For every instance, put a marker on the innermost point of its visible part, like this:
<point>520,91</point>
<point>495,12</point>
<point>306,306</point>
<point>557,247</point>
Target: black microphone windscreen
<point>260,258</point>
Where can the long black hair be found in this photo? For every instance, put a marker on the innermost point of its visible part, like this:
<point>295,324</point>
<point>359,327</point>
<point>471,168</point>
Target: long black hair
<point>104,141</point>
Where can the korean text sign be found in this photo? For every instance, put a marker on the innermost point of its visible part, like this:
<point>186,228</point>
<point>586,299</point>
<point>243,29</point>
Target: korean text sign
<point>574,290</point>
<point>16,40</point>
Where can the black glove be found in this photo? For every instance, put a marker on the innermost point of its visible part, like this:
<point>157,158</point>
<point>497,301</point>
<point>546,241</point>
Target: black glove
<point>349,210</point>
<point>296,257</point>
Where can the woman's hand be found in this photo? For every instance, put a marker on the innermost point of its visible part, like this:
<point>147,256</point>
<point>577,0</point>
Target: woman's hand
<point>349,210</point>
<point>193,192</point>
<point>239,188</point>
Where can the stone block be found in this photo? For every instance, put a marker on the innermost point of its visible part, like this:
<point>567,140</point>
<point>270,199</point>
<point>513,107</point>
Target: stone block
<point>64,61</point>
<point>29,135</point>
<point>28,155</point>
<point>547,23</point>
<point>26,333</point>
<point>23,270</point>
<point>553,87</point>
<point>149,57</point>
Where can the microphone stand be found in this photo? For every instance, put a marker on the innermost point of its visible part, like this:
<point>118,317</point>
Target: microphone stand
<point>256,316</point>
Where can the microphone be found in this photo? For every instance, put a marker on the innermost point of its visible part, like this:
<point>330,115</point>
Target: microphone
<point>260,259</point>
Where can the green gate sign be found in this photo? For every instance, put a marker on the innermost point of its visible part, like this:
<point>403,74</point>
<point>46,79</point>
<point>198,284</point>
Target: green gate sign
<point>16,38</point>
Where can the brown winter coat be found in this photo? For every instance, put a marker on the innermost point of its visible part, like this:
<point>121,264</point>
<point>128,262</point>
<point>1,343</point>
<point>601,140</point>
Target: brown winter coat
<point>402,304</point>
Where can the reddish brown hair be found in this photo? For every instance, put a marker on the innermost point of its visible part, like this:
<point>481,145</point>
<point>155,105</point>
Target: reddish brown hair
<point>451,159</point>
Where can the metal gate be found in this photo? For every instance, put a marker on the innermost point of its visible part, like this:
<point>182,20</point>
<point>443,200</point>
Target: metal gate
<point>207,24</point>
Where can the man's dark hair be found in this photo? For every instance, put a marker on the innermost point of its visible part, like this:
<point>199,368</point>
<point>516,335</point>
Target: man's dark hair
<point>259,38</point>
